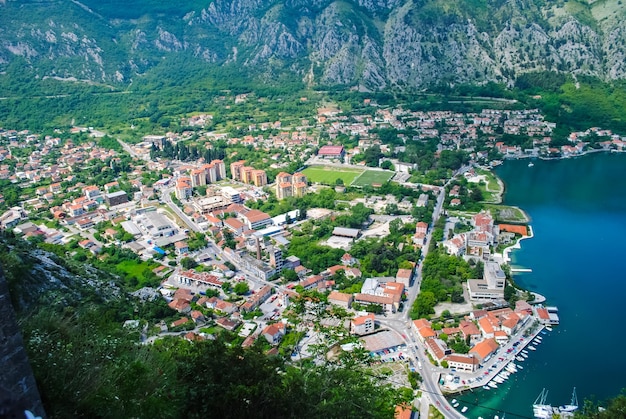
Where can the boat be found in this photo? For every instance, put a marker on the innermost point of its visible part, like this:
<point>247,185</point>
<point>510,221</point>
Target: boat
<point>464,409</point>
<point>538,338</point>
<point>531,164</point>
<point>543,332</point>
<point>453,401</point>
<point>498,379</point>
<point>524,355</point>
<point>492,384</point>
<point>541,410</point>
<point>519,359</point>
<point>569,409</point>
<point>524,352</point>
<point>532,348</point>
<point>548,328</point>
<point>486,387</point>
<point>519,367</point>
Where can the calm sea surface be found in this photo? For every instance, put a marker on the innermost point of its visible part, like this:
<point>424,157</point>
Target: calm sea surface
<point>578,260</point>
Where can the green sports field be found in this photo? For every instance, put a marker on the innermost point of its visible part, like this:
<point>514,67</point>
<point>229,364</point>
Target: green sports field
<point>370,177</point>
<point>328,175</point>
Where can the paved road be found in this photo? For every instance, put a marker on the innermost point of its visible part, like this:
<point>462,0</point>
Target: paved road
<point>401,323</point>
<point>167,199</point>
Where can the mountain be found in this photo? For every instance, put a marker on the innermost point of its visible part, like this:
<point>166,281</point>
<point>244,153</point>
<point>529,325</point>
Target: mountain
<point>372,44</point>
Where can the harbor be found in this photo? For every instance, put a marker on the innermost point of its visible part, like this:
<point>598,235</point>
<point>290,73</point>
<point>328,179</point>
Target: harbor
<point>491,371</point>
<point>495,372</point>
<point>595,206</point>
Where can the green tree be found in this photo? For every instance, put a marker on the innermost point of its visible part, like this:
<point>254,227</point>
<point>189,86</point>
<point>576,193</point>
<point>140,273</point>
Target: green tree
<point>290,275</point>
<point>241,288</point>
<point>188,263</point>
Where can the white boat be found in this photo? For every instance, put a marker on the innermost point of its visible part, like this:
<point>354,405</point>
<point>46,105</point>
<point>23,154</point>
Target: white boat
<point>548,328</point>
<point>492,384</point>
<point>524,352</point>
<point>524,355</point>
<point>538,338</point>
<point>532,348</point>
<point>519,359</point>
<point>511,367</point>
<point>486,387</point>
<point>519,367</point>
<point>498,379</point>
<point>569,409</point>
<point>531,164</point>
<point>453,401</point>
<point>541,410</point>
<point>464,409</point>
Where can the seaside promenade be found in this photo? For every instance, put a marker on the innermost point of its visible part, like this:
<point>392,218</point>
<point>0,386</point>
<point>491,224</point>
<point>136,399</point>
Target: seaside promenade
<point>495,364</point>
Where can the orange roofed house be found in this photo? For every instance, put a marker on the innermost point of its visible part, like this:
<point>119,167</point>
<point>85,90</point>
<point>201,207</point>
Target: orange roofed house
<point>485,349</point>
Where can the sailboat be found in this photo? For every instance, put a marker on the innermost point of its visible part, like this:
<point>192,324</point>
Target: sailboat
<point>541,410</point>
<point>531,164</point>
<point>572,407</point>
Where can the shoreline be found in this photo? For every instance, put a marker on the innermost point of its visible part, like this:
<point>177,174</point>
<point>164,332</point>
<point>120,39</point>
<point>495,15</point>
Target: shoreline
<point>497,362</point>
<point>584,153</point>
<point>506,252</point>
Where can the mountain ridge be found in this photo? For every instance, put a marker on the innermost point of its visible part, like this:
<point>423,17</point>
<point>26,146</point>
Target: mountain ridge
<point>371,44</point>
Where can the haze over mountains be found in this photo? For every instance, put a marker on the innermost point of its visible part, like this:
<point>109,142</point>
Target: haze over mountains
<point>372,44</point>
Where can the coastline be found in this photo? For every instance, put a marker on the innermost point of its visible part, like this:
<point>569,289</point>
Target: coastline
<point>506,252</point>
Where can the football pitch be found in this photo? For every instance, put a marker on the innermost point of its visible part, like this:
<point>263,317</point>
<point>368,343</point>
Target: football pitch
<point>328,175</point>
<point>373,177</point>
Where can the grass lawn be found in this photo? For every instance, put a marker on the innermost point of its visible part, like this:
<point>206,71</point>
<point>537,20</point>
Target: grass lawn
<point>370,177</point>
<point>328,175</point>
<point>504,213</point>
<point>134,268</point>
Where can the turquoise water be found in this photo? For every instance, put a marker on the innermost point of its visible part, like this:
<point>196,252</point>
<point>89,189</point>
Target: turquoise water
<point>578,214</point>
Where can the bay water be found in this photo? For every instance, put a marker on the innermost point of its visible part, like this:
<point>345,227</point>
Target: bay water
<point>577,209</point>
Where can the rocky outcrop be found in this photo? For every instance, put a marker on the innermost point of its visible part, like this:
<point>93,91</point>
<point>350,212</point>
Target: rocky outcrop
<point>18,390</point>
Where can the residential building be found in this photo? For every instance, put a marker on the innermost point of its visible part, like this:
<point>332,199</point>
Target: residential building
<point>362,325</point>
<point>181,248</point>
<point>257,299</point>
<point>245,174</point>
<point>462,362</point>
<point>404,276</point>
<point>341,299</point>
<point>198,178</point>
<point>259,177</point>
<point>274,332</point>
<point>116,198</point>
<point>183,189</point>
<point>484,349</point>
<point>235,169</point>
<point>220,169</point>
<point>290,185</point>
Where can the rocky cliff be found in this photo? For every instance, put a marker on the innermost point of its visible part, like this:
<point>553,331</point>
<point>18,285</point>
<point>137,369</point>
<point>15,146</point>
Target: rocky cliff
<point>368,43</point>
<point>18,390</point>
